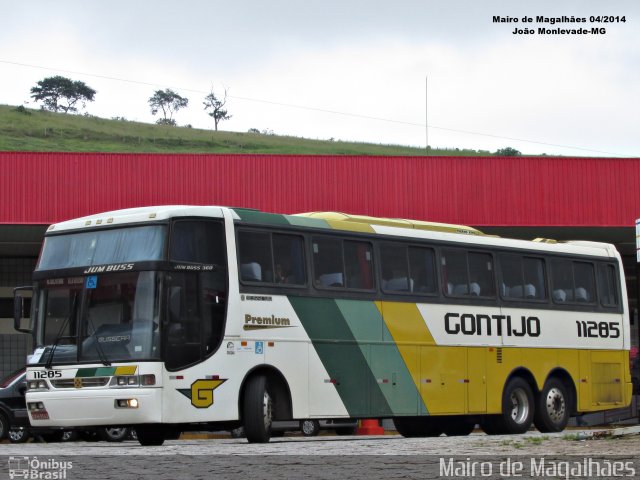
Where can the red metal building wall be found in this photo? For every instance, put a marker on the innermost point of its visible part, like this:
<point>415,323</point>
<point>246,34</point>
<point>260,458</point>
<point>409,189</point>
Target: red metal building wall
<point>484,191</point>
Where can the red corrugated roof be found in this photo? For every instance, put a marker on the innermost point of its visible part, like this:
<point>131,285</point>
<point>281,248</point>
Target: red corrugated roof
<point>483,191</point>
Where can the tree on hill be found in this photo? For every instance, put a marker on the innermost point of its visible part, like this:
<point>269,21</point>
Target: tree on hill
<point>216,105</point>
<point>61,94</point>
<point>168,102</point>
<point>507,152</point>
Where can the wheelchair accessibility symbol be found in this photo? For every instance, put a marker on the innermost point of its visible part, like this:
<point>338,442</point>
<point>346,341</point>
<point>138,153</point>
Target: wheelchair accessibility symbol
<point>259,347</point>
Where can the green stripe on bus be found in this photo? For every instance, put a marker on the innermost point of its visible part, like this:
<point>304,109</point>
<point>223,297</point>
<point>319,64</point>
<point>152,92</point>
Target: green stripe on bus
<point>96,372</point>
<point>382,355</point>
<point>307,222</point>
<point>261,218</point>
<point>341,356</point>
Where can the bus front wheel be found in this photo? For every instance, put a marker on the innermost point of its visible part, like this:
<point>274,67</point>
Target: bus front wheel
<point>552,411</point>
<point>150,435</point>
<point>258,410</point>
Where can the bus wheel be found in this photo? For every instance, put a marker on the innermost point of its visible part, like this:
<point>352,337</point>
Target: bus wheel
<point>150,435</point>
<point>517,407</point>
<point>418,426</point>
<point>458,426</point>
<point>258,410</point>
<point>552,412</point>
<point>490,424</point>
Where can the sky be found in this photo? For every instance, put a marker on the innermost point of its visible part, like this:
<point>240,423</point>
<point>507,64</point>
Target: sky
<point>406,72</point>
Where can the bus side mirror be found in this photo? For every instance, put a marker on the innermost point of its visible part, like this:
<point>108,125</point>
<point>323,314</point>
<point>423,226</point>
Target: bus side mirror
<point>19,301</point>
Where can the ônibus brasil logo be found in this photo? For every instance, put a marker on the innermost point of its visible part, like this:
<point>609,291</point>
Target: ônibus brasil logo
<point>33,468</point>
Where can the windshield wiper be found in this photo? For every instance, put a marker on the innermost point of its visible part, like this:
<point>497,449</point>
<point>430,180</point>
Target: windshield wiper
<point>103,357</point>
<point>59,336</point>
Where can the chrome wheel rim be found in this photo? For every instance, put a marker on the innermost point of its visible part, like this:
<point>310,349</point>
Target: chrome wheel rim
<point>555,404</point>
<point>519,406</point>
<point>267,410</point>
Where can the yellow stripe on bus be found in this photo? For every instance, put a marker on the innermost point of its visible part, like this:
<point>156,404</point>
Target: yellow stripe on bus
<point>410,333</point>
<point>128,370</point>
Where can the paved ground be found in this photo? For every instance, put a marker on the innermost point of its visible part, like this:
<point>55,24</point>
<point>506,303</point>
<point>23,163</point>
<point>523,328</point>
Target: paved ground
<point>388,456</point>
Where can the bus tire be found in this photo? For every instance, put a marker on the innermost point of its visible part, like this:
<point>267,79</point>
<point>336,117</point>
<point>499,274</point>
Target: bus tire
<point>411,427</point>
<point>258,410</point>
<point>458,426</point>
<point>490,424</point>
<point>517,407</point>
<point>150,435</point>
<point>552,411</point>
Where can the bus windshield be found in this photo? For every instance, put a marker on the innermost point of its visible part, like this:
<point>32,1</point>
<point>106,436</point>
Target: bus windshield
<point>103,318</point>
<point>101,247</point>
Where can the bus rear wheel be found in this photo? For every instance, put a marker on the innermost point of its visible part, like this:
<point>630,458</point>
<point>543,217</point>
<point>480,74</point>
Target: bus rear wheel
<point>517,407</point>
<point>552,412</point>
<point>258,410</point>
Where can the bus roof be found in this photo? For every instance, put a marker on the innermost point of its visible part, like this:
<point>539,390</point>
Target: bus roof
<point>393,222</point>
<point>334,221</point>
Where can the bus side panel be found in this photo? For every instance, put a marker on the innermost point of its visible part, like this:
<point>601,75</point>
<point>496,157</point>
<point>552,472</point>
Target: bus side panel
<point>391,376</point>
<point>477,379</point>
<point>444,370</point>
<point>607,379</point>
<point>341,354</point>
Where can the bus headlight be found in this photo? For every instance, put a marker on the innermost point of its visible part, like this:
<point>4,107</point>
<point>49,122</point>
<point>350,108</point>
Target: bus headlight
<point>37,385</point>
<point>126,381</point>
<point>126,403</point>
<point>146,380</point>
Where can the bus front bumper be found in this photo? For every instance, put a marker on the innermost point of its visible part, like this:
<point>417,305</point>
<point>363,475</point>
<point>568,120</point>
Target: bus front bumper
<point>126,406</point>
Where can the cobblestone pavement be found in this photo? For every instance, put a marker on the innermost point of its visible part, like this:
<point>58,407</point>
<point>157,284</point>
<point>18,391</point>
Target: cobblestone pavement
<point>389,456</point>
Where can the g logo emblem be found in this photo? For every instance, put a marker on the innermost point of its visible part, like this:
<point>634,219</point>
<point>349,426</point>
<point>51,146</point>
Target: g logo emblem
<point>201,392</point>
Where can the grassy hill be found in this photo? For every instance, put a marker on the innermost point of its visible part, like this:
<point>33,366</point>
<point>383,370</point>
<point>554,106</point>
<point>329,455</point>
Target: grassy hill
<point>36,130</point>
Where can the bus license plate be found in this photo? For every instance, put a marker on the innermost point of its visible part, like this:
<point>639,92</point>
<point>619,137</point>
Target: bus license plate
<point>40,415</point>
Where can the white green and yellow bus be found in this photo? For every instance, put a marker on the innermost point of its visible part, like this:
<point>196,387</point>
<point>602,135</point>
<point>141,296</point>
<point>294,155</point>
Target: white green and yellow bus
<point>174,318</point>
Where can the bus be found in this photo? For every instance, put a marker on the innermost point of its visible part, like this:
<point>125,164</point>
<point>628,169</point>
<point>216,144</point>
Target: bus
<point>177,318</point>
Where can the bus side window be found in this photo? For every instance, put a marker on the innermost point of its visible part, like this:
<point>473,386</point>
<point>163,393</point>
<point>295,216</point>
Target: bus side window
<point>585,282</point>
<point>422,266</point>
<point>395,271</point>
<point>198,241</point>
<point>358,264</point>
<point>534,278</point>
<point>328,270</point>
<point>454,272</point>
<point>481,274</point>
<point>254,249</point>
<point>288,259</point>
<point>562,280</point>
<point>607,285</point>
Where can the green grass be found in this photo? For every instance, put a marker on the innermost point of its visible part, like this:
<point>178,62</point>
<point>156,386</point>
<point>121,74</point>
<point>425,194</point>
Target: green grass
<point>37,130</point>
